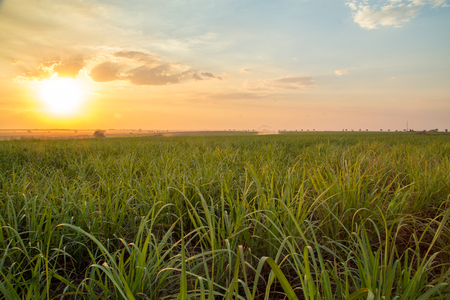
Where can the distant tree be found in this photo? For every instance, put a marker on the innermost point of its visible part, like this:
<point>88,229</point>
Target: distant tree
<point>99,133</point>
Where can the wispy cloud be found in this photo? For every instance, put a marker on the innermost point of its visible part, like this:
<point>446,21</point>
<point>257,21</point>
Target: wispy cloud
<point>341,72</point>
<point>245,70</point>
<point>389,13</point>
<point>138,56</point>
<point>160,75</point>
<point>204,76</point>
<point>242,96</point>
<point>283,83</point>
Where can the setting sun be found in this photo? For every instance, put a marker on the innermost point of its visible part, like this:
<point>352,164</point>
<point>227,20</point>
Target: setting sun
<point>61,95</point>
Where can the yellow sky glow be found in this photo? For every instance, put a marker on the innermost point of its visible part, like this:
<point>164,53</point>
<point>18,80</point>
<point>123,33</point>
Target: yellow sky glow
<point>174,65</point>
<point>61,95</point>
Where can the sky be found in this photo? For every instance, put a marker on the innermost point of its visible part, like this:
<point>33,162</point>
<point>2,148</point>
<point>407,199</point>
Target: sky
<point>215,65</point>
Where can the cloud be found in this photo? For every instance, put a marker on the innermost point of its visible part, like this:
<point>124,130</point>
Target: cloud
<point>42,72</point>
<point>70,69</point>
<point>389,15</point>
<point>160,75</point>
<point>210,75</point>
<point>141,75</point>
<point>352,6</point>
<point>207,74</point>
<point>245,70</point>
<point>392,13</point>
<point>284,83</point>
<point>196,77</point>
<point>138,69</point>
<point>65,29</point>
<point>238,96</point>
<point>138,56</point>
<point>48,69</point>
<point>341,72</point>
<point>105,72</point>
<point>204,76</point>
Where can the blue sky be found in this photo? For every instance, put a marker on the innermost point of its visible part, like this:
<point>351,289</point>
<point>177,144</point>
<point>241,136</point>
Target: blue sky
<point>319,64</point>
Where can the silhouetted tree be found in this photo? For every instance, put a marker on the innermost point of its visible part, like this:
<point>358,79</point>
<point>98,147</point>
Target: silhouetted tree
<point>99,133</point>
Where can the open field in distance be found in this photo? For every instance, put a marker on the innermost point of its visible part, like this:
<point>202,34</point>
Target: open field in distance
<point>53,134</point>
<point>349,215</point>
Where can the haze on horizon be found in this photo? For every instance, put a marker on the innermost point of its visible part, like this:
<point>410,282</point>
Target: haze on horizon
<point>205,64</point>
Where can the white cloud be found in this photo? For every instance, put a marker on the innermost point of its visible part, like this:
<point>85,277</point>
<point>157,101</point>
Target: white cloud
<point>389,13</point>
<point>341,72</point>
<point>245,70</point>
<point>352,6</point>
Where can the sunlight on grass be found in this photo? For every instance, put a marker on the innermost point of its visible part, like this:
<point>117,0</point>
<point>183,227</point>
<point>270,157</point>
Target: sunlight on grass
<point>295,216</point>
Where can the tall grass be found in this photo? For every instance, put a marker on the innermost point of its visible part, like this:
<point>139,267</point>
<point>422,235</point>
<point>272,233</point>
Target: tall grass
<point>297,216</point>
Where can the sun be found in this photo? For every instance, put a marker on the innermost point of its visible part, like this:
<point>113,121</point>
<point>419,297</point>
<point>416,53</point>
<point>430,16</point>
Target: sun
<point>61,95</point>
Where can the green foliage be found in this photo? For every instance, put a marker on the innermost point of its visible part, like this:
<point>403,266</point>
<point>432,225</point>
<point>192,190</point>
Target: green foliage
<point>301,216</point>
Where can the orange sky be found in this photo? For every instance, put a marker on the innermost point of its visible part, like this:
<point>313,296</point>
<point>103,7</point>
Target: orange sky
<point>179,65</point>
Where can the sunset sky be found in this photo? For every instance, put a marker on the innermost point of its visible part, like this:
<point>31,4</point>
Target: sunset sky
<point>209,64</point>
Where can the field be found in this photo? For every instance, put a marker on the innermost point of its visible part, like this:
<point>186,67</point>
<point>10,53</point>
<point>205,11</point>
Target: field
<point>59,134</point>
<point>232,216</point>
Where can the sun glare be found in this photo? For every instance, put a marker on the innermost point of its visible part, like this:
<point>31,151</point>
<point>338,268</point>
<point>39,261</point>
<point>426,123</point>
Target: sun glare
<point>61,95</point>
